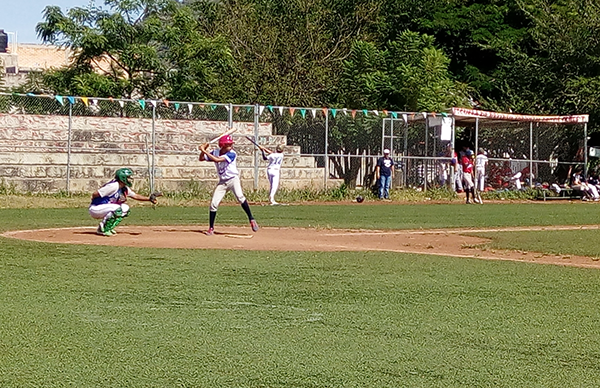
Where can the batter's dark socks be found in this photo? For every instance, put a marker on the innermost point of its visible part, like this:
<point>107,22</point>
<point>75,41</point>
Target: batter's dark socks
<point>211,217</point>
<point>246,208</point>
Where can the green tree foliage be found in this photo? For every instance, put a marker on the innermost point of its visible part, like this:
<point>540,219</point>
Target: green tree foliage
<point>134,49</point>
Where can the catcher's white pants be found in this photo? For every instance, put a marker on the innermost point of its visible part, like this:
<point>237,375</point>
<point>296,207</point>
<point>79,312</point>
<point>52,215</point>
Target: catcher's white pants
<point>273,176</point>
<point>468,181</point>
<point>222,188</point>
<point>101,211</point>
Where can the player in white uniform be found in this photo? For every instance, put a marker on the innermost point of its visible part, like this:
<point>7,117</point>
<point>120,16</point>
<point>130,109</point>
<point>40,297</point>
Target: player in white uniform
<point>229,179</point>
<point>481,162</point>
<point>108,202</point>
<point>275,160</point>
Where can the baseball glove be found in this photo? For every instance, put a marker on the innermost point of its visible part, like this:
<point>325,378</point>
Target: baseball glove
<point>155,195</point>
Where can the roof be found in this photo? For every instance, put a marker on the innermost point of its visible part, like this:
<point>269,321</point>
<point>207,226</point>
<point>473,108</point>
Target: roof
<point>469,116</point>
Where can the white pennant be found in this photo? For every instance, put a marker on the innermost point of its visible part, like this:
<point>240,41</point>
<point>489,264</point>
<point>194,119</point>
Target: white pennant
<point>424,115</point>
<point>227,107</point>
<point>281,110</point>
<point>345,111</point>
<point>122,103</point>
<point>190,107</point>
<point>261,108</point>
<point>405,118</point>
<point>94,102</point>
<point>153,102</point>
<point>314,113</point>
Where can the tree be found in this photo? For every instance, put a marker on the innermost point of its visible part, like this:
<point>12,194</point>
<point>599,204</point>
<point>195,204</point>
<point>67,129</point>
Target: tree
<point>134,49</point>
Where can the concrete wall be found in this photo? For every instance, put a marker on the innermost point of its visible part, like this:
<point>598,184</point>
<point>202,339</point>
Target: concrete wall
<point>34,153</point>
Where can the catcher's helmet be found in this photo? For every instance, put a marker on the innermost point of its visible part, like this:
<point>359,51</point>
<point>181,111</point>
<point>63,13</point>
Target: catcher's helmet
<point>124,175</point>
<point>359,199</point>
<point>225,140</point>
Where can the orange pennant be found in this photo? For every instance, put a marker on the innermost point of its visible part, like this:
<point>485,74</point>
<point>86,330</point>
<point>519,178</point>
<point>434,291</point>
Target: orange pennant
<point>292,110</point>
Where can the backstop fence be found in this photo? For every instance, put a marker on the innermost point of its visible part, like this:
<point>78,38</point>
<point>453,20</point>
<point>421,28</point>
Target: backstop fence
<point>346,143</point>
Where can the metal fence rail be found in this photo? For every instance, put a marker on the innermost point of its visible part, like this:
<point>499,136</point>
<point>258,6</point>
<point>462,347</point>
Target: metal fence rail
<point>345,143</point>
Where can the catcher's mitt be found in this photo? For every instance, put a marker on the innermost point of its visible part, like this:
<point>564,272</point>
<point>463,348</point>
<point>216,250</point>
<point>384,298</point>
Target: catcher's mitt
<point>153,197</point>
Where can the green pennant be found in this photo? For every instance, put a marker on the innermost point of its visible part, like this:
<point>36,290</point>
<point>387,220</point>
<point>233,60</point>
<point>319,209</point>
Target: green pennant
<point>213,107</point>
<point>176,106</point>
<point>444,114</point>
<point>71,100</point>
<point>333,112</point>
<point>60,99</point>
<point>270,107</point>
<point>248,108</point>
<point>365,112</point>
<point>303,113</point>
<point>395,115</point>
<point>142,103</point>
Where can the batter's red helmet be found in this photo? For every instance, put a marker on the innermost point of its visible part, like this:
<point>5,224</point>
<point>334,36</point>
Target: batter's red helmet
<point>225,140</point>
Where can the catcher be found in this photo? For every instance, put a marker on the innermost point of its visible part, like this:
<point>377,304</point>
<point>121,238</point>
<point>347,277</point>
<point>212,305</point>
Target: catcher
<point>108,202</point>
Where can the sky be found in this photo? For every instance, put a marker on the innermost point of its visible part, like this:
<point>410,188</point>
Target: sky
<point>21,16</point>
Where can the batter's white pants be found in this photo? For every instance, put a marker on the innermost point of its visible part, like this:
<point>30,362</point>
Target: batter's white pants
<point>273,176</point>
<point>102,211</point>
<point>222,188</point>
<point>480,180</point>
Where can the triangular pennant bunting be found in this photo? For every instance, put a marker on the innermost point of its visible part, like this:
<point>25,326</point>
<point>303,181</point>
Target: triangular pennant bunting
<point>236,109</point>
<point>405,118</point>
<point>190,107</point>
<point>94,102</point>
<point>122,103</point>
<point>353,113</point>
<point>424,114</point>
<point>280,110</point>
<point>333,112</point>
<point>176,106</point>
<point>385,112</point>
<point>166,102</point>
<point>303,113</point>
<point>85,101</point>
<point>324,111</point>
<point>314,113</point>
<point>433,114</point>
<point>213,107</point>
<point>71,100</point>
<point>345,111</point>
<point>142,103</point>
<point>153,102</point>
<point>365,112</point>
<point>292,110</point>
<point>261,109</point>
<point>60,99</point>
<point>376,112</point>
<point>395,115</point>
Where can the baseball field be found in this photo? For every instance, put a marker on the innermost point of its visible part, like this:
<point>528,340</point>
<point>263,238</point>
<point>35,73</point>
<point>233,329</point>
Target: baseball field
<point>324,295</point>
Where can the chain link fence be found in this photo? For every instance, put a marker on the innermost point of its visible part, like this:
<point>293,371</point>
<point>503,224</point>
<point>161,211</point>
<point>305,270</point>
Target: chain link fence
<point>152,135</point>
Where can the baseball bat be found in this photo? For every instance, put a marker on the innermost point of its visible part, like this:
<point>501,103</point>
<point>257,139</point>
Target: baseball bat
<point>228,132</point>
<point>253,141</point>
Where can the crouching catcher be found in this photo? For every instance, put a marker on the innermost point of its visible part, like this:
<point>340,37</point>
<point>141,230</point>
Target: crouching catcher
<point>108,202</point>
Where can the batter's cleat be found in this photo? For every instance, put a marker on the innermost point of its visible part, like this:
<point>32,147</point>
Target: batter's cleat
<point>254,225</point>
<point>210,232</point>
<point>274,203</point>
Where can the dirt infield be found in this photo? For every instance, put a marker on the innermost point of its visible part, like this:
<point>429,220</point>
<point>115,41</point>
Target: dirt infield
<point>447,242</point>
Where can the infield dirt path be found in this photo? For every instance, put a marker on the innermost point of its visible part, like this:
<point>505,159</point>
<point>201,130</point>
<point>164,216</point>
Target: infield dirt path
<point>446,242</point>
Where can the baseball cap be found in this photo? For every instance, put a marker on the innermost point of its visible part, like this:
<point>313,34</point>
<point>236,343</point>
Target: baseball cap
<point>386,151</point>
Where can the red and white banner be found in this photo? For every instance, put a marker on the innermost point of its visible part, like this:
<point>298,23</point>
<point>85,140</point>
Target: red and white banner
<point>463,112</point>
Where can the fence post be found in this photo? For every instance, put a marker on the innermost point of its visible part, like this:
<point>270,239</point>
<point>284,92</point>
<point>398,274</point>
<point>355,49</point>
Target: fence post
<point>530,154</point>
<point>326,149</point>
<point>69,136</point>
<point>256,120</point>
<point>585,150</point>
<point>153,147</point>
<point>230,115</point>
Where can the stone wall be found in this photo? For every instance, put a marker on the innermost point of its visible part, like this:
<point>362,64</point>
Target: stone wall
<point>34,153</point>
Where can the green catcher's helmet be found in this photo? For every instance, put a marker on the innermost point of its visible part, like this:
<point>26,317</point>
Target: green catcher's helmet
<point>124,175</point>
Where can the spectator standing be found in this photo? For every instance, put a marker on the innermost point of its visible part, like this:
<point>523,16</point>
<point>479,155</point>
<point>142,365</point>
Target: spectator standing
<point>481,162</point>
<point>384,172</point>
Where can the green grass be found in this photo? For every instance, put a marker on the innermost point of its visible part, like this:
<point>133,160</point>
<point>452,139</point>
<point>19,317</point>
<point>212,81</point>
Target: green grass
<point>92,316</point>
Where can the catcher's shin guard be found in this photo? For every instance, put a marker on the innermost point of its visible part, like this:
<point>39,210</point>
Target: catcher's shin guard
<point>111,223</point>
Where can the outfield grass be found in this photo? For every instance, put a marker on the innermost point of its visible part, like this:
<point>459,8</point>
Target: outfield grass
<point>91,316</point>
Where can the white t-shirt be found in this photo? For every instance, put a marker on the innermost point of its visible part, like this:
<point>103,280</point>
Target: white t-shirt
<point>480,162</point>
<point>226,169</point>
<point>275,160</point>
